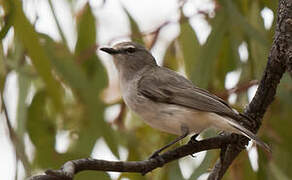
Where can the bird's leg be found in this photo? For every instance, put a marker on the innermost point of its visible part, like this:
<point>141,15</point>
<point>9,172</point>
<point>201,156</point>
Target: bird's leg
<point>193,140</point>
<point>185,132</point>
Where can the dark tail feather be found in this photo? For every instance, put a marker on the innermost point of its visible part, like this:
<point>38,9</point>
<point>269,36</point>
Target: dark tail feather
<point>249,134</point>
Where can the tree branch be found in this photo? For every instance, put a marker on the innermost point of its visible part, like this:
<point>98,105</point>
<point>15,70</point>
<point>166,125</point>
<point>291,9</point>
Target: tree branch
<point>280,56</point>
<point>71,168</point>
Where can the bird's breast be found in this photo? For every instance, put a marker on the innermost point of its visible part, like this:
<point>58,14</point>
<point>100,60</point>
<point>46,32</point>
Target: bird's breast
<point>162,116</point>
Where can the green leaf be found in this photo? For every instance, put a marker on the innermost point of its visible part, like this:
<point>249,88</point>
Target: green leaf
<point>86,41</point>
<point>171,59</point>
<point>247,171</point>
<point>258,52</point>
<point>238,19</point>
<point>88,91</point>
<point>206,63</point>
<point>3,71</point>
<point>278,172</point>
<point>273,5</point>
<point>203,168</point>
<point>30,40</point>
<point>23,86</point>
<point>190,47</point>
<point>7,26</point>
<point>136,34</point>
<point>174,172</point>
<point>279,123</point>
<point>41,131</point>
<point>92,175</point>
<point>39,126</point>
<point>227,61</point>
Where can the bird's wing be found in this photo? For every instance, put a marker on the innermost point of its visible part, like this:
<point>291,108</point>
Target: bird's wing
<point>166,86</point>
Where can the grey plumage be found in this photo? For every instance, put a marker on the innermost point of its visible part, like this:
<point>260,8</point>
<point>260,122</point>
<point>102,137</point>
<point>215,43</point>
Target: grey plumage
<point>169,101</point>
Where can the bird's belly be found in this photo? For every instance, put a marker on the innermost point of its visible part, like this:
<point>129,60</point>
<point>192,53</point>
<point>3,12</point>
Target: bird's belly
<point>168,117</point>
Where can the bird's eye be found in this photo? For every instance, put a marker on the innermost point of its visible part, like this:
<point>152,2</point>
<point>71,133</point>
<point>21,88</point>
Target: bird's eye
<point>130,49</point>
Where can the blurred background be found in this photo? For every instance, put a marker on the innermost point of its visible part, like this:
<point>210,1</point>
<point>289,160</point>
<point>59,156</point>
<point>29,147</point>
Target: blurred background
<point>60,96</point>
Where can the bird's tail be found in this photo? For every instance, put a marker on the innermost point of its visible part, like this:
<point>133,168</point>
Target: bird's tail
<point>248,134</point>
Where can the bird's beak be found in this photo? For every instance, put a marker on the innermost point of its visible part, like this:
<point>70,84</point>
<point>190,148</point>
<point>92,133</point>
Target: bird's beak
<point>109,50</point>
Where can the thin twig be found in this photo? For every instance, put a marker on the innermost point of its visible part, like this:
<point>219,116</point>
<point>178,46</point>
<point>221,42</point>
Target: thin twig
<point>240,88</point>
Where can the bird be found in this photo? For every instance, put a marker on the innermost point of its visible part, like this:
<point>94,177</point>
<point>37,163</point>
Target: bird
<point>168,101</point>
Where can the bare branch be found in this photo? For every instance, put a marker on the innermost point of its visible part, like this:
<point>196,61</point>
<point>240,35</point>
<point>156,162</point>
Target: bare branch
<point>71,168</point>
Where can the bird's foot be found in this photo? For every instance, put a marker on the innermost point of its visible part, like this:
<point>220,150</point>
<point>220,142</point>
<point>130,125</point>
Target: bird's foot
<point>153,155</point>
<point>193,139</point>
<point>158,158</point>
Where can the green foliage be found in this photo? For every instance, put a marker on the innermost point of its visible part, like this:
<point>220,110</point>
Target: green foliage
<point>29,39</point>
<point>68,88</point>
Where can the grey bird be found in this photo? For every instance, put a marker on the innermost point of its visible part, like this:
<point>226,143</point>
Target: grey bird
<point>168,101</point>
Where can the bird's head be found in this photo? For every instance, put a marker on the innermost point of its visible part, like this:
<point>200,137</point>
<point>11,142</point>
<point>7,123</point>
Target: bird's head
<point>130,56</point>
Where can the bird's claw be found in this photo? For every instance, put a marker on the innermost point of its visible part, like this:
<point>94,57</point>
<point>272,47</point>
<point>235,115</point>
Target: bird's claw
<point>154,155</point>
<point>193,139</point>
<point>193,155</point>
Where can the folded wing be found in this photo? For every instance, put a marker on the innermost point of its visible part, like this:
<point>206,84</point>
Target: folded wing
<point>165,86</point>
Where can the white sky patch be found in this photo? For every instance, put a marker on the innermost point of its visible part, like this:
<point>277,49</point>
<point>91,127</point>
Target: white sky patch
<point>232,98</point>
<point>102,151</point>
<point>198,22</point>
<point>8,40</point>
<point>62,141</point>
<point>166,36</point>
<point>148,15</point>
<point>66,20</point>
<point>268,16</point>
<point>1,11</point>
<point>123,152</point>
<point>30,95</point>
<point>125,178</point>
<point>112,112</point>
<point>78,5</point>
<point>21,171</point>
<point>243,52</point>
<point>29,147</point>
<point>201,27</point>
<point>192,7</point>
<point>253,156</point>
<point>7,155</point>
<point>108,29</point>
<point>45,22</point>
<point>251,92</point>
<point>204,176</point>
<point>96,4</point>
<point>29,8</point>
<point>232,79</point>
<point>11,97</point>
<point>188,164</point>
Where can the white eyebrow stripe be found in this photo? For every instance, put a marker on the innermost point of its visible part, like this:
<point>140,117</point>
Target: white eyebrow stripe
<point>128,46</point>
